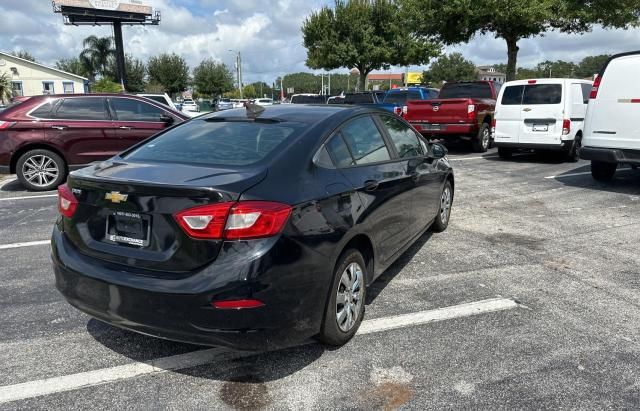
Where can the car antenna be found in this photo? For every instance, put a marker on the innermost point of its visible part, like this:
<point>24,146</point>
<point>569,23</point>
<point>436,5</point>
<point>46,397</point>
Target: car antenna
<point>253,110</point>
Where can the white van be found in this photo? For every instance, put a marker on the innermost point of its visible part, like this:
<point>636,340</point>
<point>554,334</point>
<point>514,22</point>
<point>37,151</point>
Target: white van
<point>544,114</point>
<point>612,126</point>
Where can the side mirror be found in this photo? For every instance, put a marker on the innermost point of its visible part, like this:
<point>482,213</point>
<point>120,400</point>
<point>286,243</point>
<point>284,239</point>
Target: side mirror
<point>168,120</point>
<point>437,151</point>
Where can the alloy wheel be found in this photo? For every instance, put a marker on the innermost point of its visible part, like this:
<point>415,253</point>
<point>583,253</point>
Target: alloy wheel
<point>349,297</point>
<point>486,136</point>
<point>445,205</point>
<point>40,170</point>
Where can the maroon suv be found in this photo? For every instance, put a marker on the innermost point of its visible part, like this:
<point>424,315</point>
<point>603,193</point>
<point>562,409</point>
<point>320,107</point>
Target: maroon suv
<point>44,137</point>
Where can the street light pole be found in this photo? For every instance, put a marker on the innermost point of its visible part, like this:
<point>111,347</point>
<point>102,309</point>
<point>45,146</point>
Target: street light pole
<point>238,71</point>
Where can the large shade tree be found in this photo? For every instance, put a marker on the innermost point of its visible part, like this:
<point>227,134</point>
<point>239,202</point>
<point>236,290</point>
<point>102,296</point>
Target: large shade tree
<point>457,21</point>
<point>211,78</point>
<point>363,34</point>
<point>452,67</point>
<point>170,71</point>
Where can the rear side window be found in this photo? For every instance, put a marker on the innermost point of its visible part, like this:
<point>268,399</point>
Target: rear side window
<point>91,108</point>
<point>365,141</point>
<point>339,152</point>
<point>307,100</point>
<point>542,94</point>
<point>158,99</point>
<point>44,111</point>
<point>466,90</point>
<point>404,139</point>
<point>128,109</point>
<point>512,96</point>
<point>211,142</point>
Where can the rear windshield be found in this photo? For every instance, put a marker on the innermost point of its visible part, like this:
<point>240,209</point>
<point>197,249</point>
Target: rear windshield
<point>401,97</point>
<point>364,98</point>
<point>542,94</point>
<point>466,90</point>
<point>232,143</point>
<point>307,100</point>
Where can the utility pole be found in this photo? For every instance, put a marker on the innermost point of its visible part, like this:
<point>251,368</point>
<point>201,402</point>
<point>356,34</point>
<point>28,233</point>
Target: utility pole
<point>329,91</point>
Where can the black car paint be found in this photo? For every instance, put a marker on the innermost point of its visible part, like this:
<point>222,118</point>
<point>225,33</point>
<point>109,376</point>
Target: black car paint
<point>162,295</point>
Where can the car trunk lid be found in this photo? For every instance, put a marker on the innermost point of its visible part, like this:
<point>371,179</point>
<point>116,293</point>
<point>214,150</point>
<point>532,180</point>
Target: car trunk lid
<point>126,210</point>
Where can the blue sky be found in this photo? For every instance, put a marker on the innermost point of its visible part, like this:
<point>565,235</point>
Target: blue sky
<point>267,33</point>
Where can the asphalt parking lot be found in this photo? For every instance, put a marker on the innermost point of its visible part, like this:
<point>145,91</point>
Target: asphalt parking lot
<point>530,300</point>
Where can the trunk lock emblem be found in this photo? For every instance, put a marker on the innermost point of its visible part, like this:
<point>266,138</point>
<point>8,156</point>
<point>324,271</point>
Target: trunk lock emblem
<point>116,197</point>
<point>436,108</point>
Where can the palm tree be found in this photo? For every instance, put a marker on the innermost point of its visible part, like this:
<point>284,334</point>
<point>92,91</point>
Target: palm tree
<point>5,88</point>
<point>97,51</point>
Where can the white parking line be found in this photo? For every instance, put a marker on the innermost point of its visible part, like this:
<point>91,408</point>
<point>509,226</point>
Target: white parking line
<point>193,359</point>
<point>579,174</point>
<point>27,244</point>
<point>469,158</point>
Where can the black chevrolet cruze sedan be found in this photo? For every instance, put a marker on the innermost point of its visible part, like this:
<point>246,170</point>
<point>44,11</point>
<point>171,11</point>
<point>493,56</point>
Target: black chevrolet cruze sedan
<point>253,229</point>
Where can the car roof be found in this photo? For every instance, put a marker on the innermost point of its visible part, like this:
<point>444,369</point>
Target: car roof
<point>305,113</point>
<point>546,81</point>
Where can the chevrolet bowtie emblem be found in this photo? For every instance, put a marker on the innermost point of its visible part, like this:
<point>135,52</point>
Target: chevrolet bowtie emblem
<point>116,197</point>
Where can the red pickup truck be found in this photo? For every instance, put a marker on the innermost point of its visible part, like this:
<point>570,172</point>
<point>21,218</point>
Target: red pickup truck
<point>463,110</point>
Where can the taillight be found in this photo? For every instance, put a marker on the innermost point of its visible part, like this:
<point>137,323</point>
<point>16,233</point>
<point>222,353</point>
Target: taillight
<point>237,304</point>
<point>405,110</point>
<point>67,202</point>
<point>397,110</point>
<point>532,81</point>
<point>6,124</point>
<point>256,219</point>
<point>471,111</point>
<point>566,126</point>
<point>595,87</point>
<point>206,221</point>
<point>234,221</point>
<point>493,126</point>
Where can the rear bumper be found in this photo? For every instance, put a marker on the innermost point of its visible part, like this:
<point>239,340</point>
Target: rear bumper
<point>180,309</point>
<point>453,129</point>
<point>610,155</point>
<point>565,145</point>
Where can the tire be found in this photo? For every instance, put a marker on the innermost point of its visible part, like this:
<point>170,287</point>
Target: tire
<point>444,211</point>
<point>505,153</point>
<point>41,170</point>
<point>574,154</point>
<point>481,143</point>
<point>351,271</point>
<point>602,171</point>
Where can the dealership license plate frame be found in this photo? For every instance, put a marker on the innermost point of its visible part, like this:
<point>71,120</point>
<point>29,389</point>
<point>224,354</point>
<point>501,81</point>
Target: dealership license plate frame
<point>124,227</point>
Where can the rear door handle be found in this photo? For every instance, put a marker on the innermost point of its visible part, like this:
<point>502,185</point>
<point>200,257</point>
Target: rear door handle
<point>526,109</point>
<point>59,127</point>
<point>371,185</point>
<point>125,128</point>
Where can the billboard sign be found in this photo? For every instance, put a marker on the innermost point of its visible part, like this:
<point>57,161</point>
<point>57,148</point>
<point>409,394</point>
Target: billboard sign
<point>414,77</point>
<point>128,6</point>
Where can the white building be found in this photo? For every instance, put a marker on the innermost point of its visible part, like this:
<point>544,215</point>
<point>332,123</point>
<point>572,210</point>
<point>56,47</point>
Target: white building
<point>32,79</point>
<point>488,73</point>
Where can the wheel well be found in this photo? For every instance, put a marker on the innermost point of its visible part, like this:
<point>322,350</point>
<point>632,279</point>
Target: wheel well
<point>362,243</point>
<point>37,146</point>
<point>487,119</point>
